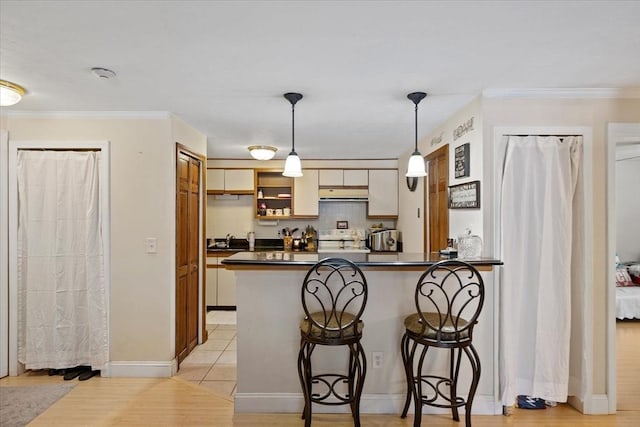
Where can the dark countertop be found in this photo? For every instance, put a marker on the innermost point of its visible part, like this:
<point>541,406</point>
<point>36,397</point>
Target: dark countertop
<point>395,260</point>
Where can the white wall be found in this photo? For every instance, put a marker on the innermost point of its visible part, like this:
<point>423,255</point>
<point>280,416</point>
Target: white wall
<point>628,206</point>
<point>142,205</point>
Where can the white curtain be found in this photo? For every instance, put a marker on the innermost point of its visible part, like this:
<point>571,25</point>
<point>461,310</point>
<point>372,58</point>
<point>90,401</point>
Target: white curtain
<point>539,182</point>
<point>61,295</point>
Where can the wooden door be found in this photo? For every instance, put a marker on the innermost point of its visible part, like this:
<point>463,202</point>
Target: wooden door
<point>187,252</point>
<point>437,195</point>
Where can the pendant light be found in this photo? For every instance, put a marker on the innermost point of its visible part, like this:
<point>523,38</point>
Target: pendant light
<point>10,93</point>
<point>292,166</point>
<point>415,168</point>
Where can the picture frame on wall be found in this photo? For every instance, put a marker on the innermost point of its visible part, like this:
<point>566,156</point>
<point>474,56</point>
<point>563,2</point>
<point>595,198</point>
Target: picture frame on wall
<point>342,225</point>
<point>465,196</point>
<point>461,161</point>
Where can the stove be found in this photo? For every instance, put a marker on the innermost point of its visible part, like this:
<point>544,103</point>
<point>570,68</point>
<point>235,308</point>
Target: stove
<point>349,240</point>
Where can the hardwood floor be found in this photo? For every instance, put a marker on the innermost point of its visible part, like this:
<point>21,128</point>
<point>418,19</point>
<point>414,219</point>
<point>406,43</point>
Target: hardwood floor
<point>628,364</point>
<point>180,402</point>
<point>174,401</point>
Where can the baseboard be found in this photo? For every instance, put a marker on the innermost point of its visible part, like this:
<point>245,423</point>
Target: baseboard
<point>598,404</point>
<point>140,369</point>
<point>369,404</point>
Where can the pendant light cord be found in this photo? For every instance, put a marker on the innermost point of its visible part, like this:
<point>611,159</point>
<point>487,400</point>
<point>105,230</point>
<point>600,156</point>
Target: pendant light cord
<point>416,110</point>
<point>293,127</point>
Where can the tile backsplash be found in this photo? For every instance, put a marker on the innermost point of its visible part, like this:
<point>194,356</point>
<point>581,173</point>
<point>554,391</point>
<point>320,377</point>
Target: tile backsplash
<point>236,216</point>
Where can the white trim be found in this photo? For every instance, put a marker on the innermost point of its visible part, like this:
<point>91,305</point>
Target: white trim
<point>499,148</point>
<point>4,255</point>
<point>141,369</point>
<point>105,181</point>
<point>616,133</point>
<point>598,404</point>
<point>150,115</point>
<point>562,93</point>
<point>369,404</point>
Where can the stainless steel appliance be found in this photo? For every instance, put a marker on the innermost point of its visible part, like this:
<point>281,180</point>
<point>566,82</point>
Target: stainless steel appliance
<point>342,241</point>
<point>383,241</point>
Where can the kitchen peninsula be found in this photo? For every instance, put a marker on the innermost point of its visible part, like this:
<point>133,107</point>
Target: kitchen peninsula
<point>269,312</point>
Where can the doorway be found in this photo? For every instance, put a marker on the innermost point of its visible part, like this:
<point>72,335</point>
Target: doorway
<point>622,337</point>
<point>190,302</point>
<point>14,147</point>
<point>437,197</point>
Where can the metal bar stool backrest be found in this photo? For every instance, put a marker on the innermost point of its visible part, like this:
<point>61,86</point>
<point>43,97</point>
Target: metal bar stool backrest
<point>449,297</point>
<point>334,294</point>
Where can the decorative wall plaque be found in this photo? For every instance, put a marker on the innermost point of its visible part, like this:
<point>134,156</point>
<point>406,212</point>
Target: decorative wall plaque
<point>462,160</point>
<point>465,196</point>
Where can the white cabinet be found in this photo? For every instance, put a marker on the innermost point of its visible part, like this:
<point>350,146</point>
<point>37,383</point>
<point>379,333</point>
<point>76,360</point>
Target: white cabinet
<point>226,286</point>
<point>383,193</point>
<point>230,181</point>
<point>356,177</point>
<point>211,298</point>
<point>343,177</point>
<point>305,194</point>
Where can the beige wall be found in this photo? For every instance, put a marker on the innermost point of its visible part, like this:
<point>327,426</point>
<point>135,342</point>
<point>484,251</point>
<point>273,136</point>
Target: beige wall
<point>142,178</point>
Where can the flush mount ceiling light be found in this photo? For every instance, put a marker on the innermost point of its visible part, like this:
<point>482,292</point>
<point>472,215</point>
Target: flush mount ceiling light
<point>292,165</point>
<point>415,168</point>
<point>10,93</point>
<point>262,152</point>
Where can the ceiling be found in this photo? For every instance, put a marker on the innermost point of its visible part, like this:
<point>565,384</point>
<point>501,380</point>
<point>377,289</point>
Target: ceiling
<point>223,66</point>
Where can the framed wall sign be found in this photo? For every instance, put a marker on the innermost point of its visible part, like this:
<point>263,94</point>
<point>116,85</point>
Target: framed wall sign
<point>465,196</point>
<point>462,160</point>
<point>342,225</point>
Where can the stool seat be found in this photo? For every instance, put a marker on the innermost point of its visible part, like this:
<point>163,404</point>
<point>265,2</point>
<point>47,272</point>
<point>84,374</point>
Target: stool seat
<point>449,331</point>
<point>334,329</point>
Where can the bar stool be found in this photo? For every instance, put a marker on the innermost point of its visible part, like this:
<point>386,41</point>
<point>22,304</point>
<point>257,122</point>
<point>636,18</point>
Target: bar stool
<point>448,297</point>
<point>334,294</point>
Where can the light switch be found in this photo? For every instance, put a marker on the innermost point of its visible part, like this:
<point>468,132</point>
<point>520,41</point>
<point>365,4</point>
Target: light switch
<point>151,244</point>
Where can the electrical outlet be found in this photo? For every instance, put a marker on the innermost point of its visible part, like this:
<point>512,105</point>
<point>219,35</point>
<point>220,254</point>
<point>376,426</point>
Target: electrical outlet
<point>377,359</point>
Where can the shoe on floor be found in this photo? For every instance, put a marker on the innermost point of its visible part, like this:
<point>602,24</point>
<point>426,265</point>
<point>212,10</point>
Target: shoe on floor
<point>87,374</point>
<point>528,402</point>
<point>74,372</point>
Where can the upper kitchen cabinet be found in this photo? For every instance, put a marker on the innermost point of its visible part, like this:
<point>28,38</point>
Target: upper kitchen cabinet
<point>305,195</point>
<point>383,193</point>
<point>230,181</point>
<point>343,177</point>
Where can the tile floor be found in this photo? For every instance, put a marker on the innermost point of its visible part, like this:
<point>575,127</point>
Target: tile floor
<point>213,364</point>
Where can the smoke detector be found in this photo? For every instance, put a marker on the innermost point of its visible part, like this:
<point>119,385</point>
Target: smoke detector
<point>103,73</point>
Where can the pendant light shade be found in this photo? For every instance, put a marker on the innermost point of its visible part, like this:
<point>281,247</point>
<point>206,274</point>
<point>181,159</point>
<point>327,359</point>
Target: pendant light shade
<point>262,152</point>
<point>292,166</point>
<point>10,93</point>
<point>416,168</point>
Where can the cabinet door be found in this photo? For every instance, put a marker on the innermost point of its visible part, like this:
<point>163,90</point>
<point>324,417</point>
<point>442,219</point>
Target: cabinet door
<point>359,177</point>
<point>226,287</point>
<point>215,179</point>
<point>383,193</point>
<point>331,177</point>
<point>237,180</point>
<point>212,282</point>
<point>305,196</point>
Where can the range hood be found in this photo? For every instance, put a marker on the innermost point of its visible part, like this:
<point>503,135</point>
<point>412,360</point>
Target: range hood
<point>343,194</point>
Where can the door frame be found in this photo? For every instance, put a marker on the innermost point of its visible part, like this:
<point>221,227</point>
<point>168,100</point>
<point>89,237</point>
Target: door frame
<point>105,176</point>
<point>4,255</point>
<point>616,133</point>
<point>590,403</point>
<point>426,244</point>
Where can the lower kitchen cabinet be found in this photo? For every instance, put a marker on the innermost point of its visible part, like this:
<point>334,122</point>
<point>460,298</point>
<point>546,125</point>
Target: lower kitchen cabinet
<point>226,286</point>
<point>221,284</point>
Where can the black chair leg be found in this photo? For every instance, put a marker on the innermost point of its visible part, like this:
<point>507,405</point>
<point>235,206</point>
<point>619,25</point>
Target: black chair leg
<point>475,369</point>
<point>408,369</point>
<point>454,366</point>
<point>304,372</point>
<point>358,375</point>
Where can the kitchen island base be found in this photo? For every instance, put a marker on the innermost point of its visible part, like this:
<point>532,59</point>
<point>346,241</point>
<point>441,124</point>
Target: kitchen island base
<point>268,316</point>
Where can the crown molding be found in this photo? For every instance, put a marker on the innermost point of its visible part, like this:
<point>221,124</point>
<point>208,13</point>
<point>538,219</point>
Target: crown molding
<point>562,93</point>
<point>149,115</point>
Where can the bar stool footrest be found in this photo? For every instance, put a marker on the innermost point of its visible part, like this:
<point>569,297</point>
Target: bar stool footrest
<point>435,383</point>
<point>330,383</point>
